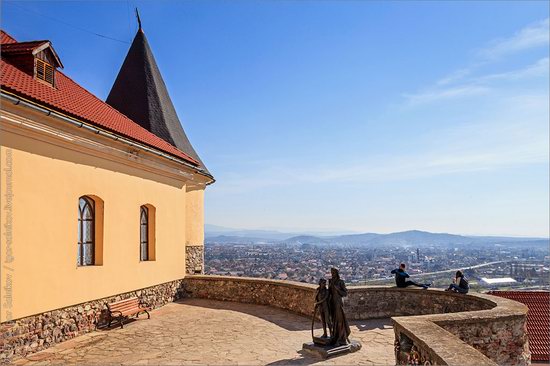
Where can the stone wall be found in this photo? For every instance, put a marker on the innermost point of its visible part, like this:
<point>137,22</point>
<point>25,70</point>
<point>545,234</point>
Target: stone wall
<point>499,333</point>
<point>363,302</point>
<point>510,334</point>
<point>293,296</point>
<point>368,302</point>
<point>194,259</point>
<point>425,343</point>
<point>30,334</point>
<point>439,327</point>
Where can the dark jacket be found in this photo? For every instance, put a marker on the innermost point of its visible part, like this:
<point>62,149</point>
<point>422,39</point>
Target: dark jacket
<point>400,277</point>
<point>463,284</point>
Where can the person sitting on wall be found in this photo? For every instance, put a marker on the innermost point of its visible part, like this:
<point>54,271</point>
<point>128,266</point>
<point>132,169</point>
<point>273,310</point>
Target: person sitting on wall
<point>401,278</point>
<point>460,284</point>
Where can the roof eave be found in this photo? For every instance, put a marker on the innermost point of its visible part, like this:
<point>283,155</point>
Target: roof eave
<point>19,100</point>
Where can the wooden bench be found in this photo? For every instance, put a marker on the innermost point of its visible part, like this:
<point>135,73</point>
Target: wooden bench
<point>124,309</point>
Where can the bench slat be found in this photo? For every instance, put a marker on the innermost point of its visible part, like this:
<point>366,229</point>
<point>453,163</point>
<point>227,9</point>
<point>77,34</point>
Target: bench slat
<point>132,299</point>
<point>118,307</point>
<point>131,312</point>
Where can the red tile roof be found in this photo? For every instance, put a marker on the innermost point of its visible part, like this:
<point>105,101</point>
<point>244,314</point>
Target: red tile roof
<point>71,99</point>
<point>538,320</point>
<point>6,38</point>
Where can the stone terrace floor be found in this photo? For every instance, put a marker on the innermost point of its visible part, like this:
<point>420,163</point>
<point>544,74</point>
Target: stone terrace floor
<point>198,332</point>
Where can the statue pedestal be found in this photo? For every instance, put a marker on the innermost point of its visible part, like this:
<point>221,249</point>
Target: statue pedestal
<point>322,341</point>
<point>326,351</point>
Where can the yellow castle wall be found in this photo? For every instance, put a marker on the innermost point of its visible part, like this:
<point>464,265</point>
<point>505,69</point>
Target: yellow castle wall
<point>39,250</point>
<point>194,208</point>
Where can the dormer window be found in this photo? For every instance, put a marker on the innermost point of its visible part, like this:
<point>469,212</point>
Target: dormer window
<point>44,71</point>
<point>35,58</point>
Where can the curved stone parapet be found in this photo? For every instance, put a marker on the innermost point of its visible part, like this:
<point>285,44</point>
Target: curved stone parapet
<point>436,326</point>
<point>498,331</point>
<point>294,296</point>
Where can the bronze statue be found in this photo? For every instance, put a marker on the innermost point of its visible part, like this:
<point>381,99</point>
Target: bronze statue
<point>340,328</point>
<point>331,311</point>
<point>322,303</point>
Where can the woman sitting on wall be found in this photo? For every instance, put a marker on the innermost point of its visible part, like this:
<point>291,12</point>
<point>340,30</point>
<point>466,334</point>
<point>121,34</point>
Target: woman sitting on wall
<point>460,284</point>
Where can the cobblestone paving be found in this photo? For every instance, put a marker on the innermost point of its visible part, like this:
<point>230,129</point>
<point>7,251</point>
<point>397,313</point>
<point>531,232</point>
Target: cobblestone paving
<point>199,332</point>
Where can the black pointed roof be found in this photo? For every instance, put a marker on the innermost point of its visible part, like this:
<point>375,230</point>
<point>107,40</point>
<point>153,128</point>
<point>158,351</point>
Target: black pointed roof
<point>140,93</point>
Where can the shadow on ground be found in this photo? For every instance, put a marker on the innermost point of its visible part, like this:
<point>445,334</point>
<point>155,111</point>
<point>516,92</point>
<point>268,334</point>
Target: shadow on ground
<point>279,317</point>
<point>364,325</point>
<point>273,315</point>
<point>305,359</point>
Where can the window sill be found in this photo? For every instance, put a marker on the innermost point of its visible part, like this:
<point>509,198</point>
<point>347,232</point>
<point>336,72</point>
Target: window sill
<point>90,265</point>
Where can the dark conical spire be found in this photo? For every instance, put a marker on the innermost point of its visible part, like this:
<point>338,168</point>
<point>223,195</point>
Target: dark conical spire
<point>140,93</point>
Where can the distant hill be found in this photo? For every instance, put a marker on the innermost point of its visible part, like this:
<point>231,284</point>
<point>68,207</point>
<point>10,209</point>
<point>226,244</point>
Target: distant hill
<point>356,238</point>
<point>230,239</point>
<point>405,238</point>
<point>214,231</point>
<point>307,239</point>
<point>415,238</point>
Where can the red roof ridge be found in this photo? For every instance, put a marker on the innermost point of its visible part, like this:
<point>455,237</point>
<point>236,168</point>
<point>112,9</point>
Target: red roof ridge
<point>23,46</point>
<point>6,38</point>
<point>25,42</point>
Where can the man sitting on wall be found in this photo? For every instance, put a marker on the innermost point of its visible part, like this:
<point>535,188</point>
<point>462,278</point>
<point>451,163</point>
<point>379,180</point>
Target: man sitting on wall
<point>401,278</point>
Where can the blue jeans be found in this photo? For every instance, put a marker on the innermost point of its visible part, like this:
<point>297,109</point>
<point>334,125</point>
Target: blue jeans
<point>412,283</point>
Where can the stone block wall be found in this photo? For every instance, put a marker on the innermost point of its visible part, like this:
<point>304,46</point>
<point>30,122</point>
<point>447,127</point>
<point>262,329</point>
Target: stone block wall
<point>502,339</point>
<point>425,343</point>
<point>194,259</point>
<point>366,302</point>
<point>292,296</point>
<point>363,302</point>
<point>34,333</point>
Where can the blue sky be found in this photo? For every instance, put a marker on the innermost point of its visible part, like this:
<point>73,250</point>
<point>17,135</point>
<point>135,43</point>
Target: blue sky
<point>340,115</point>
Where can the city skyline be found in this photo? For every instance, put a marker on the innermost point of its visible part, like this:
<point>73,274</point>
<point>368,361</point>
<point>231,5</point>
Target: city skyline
<point>320,116</point>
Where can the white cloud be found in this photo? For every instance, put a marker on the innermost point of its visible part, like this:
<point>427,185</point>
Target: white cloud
<point>445,93</point>
<point>538,69</point>
<point>454,76</point>
<point>534,35</point>
<point>477,85</point>
<point>456,85</point>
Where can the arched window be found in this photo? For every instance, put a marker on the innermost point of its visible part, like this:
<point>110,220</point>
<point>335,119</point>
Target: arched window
<point>144,234</point>
<point>86,231</point>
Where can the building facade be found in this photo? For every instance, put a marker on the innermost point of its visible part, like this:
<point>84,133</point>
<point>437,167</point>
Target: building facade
<point>99,200</point>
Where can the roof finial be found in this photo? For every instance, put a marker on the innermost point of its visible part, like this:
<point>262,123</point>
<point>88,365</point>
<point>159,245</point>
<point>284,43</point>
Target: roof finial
<point>139,20</point>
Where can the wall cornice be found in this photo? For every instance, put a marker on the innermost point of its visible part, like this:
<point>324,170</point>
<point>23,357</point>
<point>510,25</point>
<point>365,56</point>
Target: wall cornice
<point>25,122</point>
